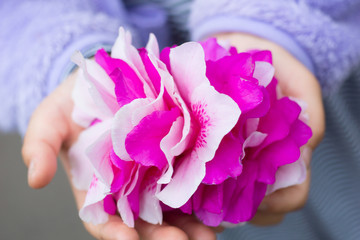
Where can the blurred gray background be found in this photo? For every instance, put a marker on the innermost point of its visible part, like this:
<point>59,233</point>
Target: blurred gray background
<point>45,214</point>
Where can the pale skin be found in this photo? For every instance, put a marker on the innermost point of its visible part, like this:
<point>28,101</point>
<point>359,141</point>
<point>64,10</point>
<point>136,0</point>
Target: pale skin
<point>51,132</point>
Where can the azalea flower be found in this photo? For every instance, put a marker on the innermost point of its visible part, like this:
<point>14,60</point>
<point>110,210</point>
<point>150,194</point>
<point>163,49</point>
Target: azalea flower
<point>197,127</point>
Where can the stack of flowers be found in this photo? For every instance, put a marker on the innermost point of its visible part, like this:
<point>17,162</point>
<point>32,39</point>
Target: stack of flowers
<point>197,127</point>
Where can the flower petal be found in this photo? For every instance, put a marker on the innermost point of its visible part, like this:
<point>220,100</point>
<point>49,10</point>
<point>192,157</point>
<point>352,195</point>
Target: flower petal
<point>93,209</point>
<point>124,50</point>
<point>213,50</point>
<point>124,123</point>
<point>288,175</point>
<point>264,73</point>
<point>254,140</point>
<point>128,85</point>
<point>275,155</point>
<point>109,205</point>
<point>209,108</point>
<point>188,68</point>
<point>150,209</point>
<point>167,144</point>
<point>81,168</point>
<point>99,155</point>
<point>85,109</point>
<point>187,177</point>
<point>101,87</point>
<point>143,142</point>
<point>125,211</point>
<point>226,162</point>
<point>152,46</point>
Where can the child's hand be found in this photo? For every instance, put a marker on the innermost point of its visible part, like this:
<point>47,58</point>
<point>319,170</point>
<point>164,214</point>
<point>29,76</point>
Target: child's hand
<point>51,131</point>
<point>297,81</point>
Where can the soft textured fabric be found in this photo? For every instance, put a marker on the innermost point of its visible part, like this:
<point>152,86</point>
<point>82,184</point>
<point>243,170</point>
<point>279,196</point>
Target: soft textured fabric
<point>323,34</point>
<point>46,33</point>
<point>37,40</point>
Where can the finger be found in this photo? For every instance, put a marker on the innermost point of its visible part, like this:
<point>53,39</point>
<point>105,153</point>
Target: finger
<point>149,231</point>
<point>193,228</point>
<point>113,229</point>
<point>287,199</point>
<point>42,143</point>
<point>266,219</point>
<point>48,129</point>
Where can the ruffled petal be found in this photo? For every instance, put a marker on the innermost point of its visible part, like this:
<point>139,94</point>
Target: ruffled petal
<point>143,142</point>
<point>152,46</point>
<point>187,177</point>
<point>289,175</point>
<point>275,155</point>
<point>99,155</point>
<point>100,86</point>
<point>188,68</point>
<point>124,50</point>
<point>208,108</point>
<point>226,162</point>
<point>150,209</point>
<point>125,211</point>
<point>264,73</point>
<point>167,145</point>
<point>93,209</point>
<point>81,168</point>
<point>213,50</point>
<point>124,122</point>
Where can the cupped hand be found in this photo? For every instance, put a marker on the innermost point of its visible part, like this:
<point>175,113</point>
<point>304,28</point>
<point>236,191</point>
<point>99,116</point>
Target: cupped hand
<point>295,80</point>
<point>50,133</point>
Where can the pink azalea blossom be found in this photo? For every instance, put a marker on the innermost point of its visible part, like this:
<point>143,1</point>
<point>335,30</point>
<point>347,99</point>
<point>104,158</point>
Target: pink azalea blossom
<point>197,127</point>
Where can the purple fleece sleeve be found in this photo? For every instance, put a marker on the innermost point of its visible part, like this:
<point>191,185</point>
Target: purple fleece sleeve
<point>37,38</point>
<point>322,34</point>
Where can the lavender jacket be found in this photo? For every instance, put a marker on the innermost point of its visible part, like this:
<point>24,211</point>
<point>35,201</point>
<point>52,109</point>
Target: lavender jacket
<point>38,37</point>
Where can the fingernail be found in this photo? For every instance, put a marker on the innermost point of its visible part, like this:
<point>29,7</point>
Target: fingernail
<point>306,153</point>
<point>31,170</point>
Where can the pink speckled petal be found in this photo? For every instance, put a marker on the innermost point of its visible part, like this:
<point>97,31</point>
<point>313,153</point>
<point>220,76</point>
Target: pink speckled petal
<point>208,107</point>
